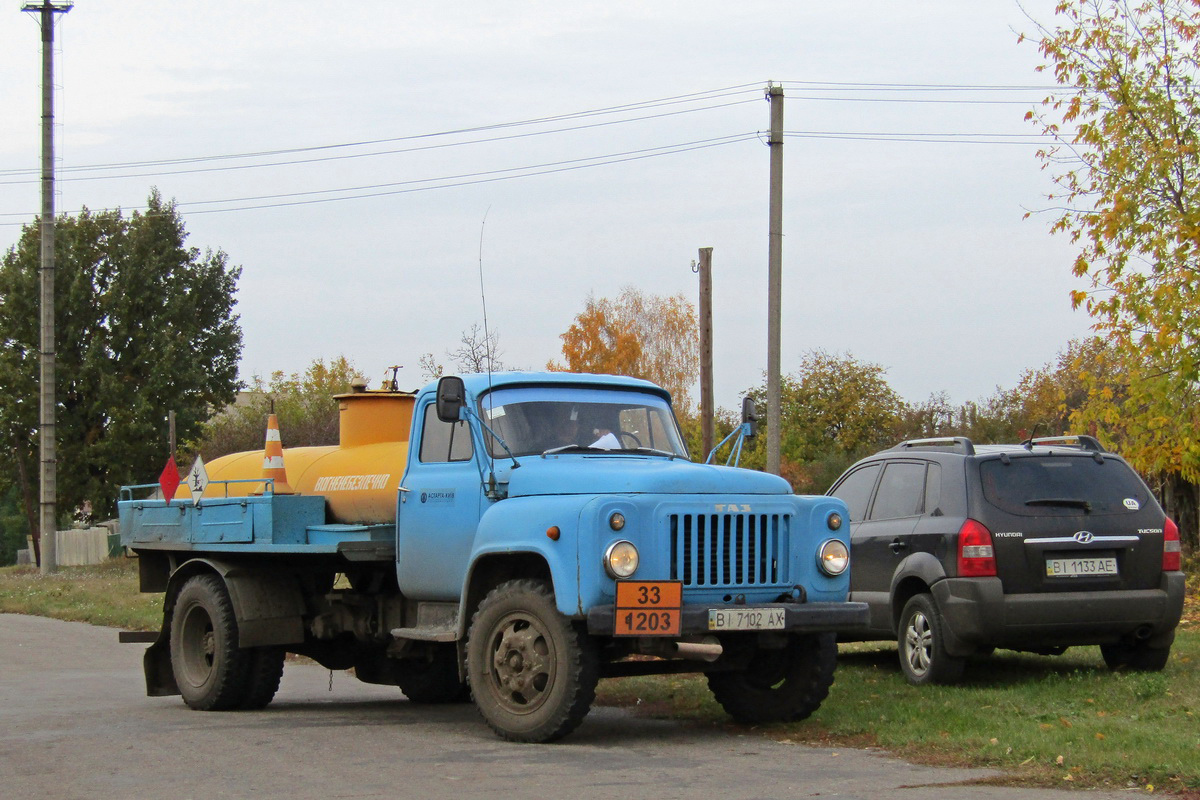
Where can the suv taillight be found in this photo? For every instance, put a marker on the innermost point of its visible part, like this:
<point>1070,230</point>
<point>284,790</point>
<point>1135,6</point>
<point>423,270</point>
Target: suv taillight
<point>1171,555</point>
<point>976,556</point>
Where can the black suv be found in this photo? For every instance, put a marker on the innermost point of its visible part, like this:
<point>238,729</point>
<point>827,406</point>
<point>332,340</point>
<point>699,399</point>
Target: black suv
<point>959,549</point>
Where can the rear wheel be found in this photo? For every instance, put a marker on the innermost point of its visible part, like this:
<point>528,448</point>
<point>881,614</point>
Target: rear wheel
<point>922,644</point>
<point>1138,656</point>
<point>779,685</point>
<point>532,673</point>
<point>210,669</point>
<point>262,677</point>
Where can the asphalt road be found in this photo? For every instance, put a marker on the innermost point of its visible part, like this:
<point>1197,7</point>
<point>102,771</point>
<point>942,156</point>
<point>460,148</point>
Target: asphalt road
<point>75,723</point>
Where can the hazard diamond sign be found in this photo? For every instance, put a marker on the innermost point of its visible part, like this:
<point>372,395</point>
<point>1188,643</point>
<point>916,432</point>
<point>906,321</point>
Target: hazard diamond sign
<point>168,481</point>
<point>197,479</point>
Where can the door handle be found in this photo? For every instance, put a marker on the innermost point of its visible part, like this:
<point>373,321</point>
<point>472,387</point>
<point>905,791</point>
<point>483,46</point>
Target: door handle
<point>897,545</point>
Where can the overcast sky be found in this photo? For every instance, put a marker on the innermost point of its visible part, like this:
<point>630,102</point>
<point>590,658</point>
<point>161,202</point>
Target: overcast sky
<point>905,243</point>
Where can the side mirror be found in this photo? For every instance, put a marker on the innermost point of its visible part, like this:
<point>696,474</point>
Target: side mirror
<point>749,417</point>
<point>451,398</point>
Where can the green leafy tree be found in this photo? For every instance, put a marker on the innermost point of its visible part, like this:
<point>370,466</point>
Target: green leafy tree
<point>303,402</point>
<point>145,326</point>
<point>1126,162</point>
<point>13,527</point>
<point>834,410</point>
<point>931,418</point>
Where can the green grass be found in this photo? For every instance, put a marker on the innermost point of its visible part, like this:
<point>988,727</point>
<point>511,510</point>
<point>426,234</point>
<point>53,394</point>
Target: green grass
<point>1041,721</point>
<point>104,594</point>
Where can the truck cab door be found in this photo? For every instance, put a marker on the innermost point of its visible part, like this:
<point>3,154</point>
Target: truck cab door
<point>436,518</point>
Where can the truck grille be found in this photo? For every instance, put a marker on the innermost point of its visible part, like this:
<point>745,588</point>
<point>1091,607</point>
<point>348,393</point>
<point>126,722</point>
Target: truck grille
<point>730,549</point>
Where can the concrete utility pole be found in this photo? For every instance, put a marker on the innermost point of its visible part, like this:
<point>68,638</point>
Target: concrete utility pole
<point>774,278</point>
<point>47,520</point>
<point>707,432</point>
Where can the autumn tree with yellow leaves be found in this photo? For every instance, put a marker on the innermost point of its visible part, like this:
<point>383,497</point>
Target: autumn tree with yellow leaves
<point>639,335</point>
<point>1125,159</point>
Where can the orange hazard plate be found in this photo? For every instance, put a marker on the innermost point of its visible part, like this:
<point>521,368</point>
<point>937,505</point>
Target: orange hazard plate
<point>648,608</point>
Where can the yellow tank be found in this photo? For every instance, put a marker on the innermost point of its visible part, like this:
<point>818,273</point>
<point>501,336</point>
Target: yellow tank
<point>359,478</point>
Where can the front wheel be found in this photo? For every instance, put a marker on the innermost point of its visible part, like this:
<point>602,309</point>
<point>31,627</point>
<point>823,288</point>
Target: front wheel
<point>779,685</point>
<point>922,644</point>
<point>532,674</point>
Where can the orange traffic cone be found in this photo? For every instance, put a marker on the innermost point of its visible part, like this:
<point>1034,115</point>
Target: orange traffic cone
<point>273,457</point>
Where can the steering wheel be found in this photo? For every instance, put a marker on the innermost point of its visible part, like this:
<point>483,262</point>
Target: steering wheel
<point>626,434</point>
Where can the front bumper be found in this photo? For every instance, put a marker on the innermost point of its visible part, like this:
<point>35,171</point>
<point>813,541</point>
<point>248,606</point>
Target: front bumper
<point>798,617</point>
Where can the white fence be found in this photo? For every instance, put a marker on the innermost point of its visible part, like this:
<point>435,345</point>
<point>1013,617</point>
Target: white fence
<point>81,546</point>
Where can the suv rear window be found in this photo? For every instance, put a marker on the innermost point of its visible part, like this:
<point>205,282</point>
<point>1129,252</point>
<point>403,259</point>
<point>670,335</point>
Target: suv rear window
<point>1062,486</point>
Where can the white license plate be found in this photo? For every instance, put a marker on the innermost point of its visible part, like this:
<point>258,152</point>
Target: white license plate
<point>745,619</point>
<point>1080,567</point>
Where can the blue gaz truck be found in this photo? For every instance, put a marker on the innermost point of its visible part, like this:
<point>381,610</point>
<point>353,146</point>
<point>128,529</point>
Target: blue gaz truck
<point>507,539</point>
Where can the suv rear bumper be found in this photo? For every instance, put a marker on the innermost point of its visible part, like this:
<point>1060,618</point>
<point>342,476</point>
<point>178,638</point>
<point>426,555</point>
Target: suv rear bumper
<point>979,614</point>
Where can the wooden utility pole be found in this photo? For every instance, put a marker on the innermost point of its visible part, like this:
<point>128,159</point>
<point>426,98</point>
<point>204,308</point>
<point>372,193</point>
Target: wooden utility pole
<point>774,278</point>
<point>707,432</point>
<point>47,446</point>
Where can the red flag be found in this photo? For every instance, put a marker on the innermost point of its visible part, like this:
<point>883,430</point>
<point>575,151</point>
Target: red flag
<point>169,480</point>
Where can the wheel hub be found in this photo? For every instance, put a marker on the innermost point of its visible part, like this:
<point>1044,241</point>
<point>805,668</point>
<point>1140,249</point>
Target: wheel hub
<point>521,667</point>
<point>918,644</point>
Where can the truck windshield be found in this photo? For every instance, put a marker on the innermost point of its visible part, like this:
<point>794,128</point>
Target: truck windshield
<point>566,419</point>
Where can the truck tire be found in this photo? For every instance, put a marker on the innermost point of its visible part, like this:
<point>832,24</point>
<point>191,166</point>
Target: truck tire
<point>262,677</point>
<point>532,673</point>
<point>779,685</point>
<point>922,644</point>
<point>210,669</point>
<point>1138,656</point>
<point>433,680</point>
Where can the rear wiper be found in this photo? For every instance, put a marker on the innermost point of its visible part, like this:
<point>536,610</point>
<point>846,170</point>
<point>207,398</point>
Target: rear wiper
<point>1072,502</point>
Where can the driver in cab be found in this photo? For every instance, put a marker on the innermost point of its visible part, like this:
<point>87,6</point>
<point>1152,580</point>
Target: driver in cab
<point>567,433</point>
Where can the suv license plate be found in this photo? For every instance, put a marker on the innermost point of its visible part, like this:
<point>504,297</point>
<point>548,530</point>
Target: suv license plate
<point>745,619</point>
<point>1080,567</point>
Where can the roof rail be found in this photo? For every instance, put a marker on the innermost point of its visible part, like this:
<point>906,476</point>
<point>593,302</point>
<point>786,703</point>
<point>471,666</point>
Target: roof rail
<point>1082,441</point>
<point>959,444</point>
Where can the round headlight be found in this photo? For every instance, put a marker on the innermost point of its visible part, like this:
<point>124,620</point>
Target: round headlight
<point>621,559</point>
<point>833,557</point>
<point>834,521</point>
<point>616,521</point>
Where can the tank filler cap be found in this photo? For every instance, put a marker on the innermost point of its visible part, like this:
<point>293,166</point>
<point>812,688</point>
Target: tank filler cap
<point>358,385</point>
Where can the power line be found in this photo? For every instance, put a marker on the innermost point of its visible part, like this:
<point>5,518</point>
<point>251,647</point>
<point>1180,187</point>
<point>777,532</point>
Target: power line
<point>711,94</point>
<point>451,181</point>
<point>610,158</point>
<point>550,169</point>
<point>916,101</point>
<point>398,151</point>
<point>920,87</point>
<point>729,94</point>
<point>1024,139</point>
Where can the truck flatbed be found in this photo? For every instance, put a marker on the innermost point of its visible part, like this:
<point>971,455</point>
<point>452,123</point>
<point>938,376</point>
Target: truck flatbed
<point>261,525</point>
